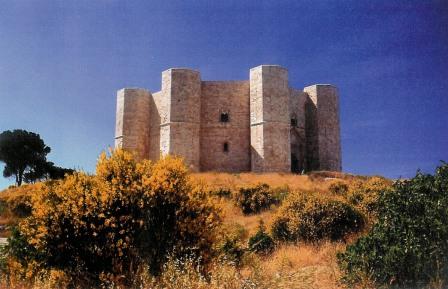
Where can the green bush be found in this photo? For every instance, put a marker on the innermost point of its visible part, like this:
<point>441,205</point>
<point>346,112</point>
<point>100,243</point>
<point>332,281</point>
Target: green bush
<point>231,251</point>
<point>254,199</point>
<point>408,246</point>
<point>261,242</point>
<point>310,218</point>
<point>280,230</point>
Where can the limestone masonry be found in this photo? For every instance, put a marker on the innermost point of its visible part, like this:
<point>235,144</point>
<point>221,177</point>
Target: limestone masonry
<point>260,125</point>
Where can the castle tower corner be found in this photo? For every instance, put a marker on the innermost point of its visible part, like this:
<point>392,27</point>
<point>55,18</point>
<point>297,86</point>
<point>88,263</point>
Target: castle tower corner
<point>322,128</point>
<point>132,121</point>
<point>180,126</point>
<point>269,119</point>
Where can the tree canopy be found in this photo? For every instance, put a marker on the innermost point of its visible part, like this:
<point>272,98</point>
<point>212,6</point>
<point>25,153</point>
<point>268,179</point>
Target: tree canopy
<point>25,156</point>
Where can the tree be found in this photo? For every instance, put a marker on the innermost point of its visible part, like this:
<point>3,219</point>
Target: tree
<point>46,170</point>
<point>55,173</point>
<point>24,154</point>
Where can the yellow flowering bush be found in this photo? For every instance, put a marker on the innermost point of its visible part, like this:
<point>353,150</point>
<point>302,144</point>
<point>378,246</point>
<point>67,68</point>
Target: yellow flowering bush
<point>364,194</point>
<point>309,217</point>
<point>127,216</point>
<point>15,202</point>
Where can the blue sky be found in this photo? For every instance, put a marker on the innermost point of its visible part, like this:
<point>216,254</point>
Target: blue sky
<point>61,63</point>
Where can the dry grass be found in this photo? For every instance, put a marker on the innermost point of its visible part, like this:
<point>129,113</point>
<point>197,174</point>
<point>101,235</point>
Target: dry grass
<point>290,266</point>
<point>23,190</point>
<point>232,216</point>
<point>233,181</point>
<point>316,261</point>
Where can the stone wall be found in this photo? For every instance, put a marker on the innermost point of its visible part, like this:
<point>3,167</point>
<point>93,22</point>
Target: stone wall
<point>132,128</point>
<point>269,119</point>
<point>270,126</point>
<point>231,98</point>
<point>156,114</point>
<point>326,103</point>
<point>181,90</point>
<point>297,102</point>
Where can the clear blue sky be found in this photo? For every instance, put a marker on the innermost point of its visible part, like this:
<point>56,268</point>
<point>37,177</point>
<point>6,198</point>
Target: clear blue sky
<point>61,63</point>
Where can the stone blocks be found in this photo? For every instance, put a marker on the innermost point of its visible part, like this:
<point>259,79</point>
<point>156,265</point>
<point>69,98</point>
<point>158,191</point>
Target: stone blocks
<point>260,125</point>
<point>269,119</point>
<point>325,143</point>
<point>133,121</point>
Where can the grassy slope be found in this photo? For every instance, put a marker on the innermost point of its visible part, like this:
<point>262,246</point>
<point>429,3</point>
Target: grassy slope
<point>297,266</point>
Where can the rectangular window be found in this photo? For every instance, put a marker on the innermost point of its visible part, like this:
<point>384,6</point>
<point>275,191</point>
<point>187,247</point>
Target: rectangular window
<point>293,122</point>
<point>224,117</point>
<point>226,147</point>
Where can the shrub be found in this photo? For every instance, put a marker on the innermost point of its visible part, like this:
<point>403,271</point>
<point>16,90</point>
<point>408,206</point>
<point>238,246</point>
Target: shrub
<point>364,194</point>
<point>127,216</point>
<point>222,193</point>
<point>21,206</point>
<point>310,218</point>
<point>3,207</point>
<point>280,230</point>
<point>280,193</point>
<point>261,242</point>
<point>254,199</point>
<point>338,188</point>
<point>408,246</point>
<point>231,251</point>
<point>17,202</point>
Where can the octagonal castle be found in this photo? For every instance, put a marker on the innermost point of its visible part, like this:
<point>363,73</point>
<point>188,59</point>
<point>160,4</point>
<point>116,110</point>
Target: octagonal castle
<point>260,125</point>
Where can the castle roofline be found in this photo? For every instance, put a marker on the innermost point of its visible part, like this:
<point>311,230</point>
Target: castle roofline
<point>321,84</point>
<point>224,81</point>
<point>269,66</point>
<point>181,69</point>
<point>133,88</point>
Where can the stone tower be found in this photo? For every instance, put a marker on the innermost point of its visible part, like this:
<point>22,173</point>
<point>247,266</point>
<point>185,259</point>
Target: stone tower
<point>179,131</point>
<point>261,124</point>
<point>322,133</point>
<point>132,120</point>
<point>269,119</point>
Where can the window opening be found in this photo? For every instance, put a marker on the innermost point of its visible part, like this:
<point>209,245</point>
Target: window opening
<point>226,147</point>
<point>224,117</point>
<point>293,122</point>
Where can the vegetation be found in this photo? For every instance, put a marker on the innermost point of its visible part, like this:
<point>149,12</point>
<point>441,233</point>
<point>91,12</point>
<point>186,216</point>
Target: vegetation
<point>261,242</point>
<point>364,194</point>
<point>129,215</point>
<point>252,200</point>
<point>408,246</point>
<point>141,225</point>
<point>25,156</point>
<point>308,217</point>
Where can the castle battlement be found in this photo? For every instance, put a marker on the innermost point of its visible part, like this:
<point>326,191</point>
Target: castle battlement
<point>260,124</point>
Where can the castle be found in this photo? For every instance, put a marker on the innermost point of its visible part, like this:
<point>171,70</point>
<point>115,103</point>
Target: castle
<point>259,125</point>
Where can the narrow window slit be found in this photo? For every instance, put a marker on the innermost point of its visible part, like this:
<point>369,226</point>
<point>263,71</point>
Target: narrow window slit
<point>226,147</point>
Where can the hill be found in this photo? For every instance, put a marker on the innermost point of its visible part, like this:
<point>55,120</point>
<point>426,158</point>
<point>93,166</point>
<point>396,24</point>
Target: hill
<point>297,264</point>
